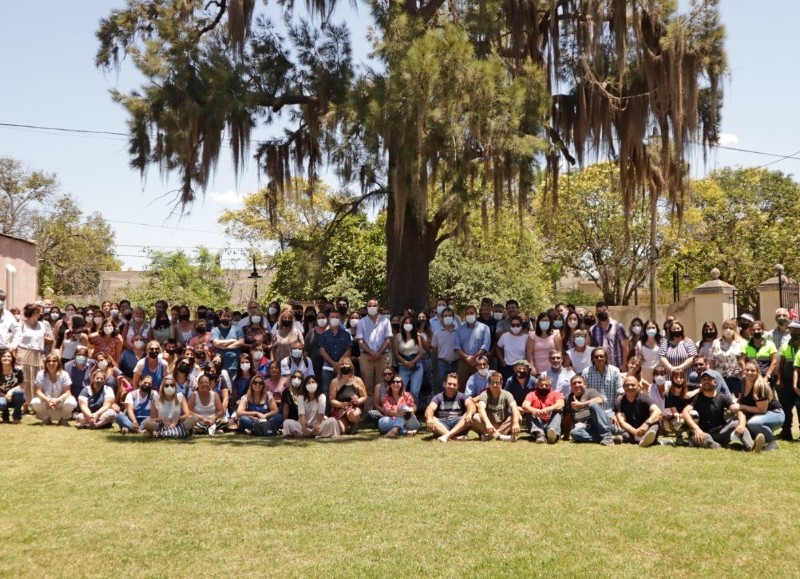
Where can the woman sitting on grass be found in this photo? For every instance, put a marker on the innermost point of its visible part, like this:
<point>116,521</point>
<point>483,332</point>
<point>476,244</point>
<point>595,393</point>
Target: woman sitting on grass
<point>96,403</point>
<point>206,406</point>
<point>761,407</point>
<point>291,395</point>
<point>676,399</point>
<point>347,397</point>
<point>137,409</point>
<point>258,410</point>
<point>53,398</point>
<point>11,393</point>
<point>398,411</point>
<point>312,421</point>
<point>169,416</point>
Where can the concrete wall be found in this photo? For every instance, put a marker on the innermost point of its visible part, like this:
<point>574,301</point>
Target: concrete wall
<point>18,271</point>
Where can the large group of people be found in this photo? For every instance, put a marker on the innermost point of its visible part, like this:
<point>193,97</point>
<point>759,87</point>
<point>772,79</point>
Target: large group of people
<point>327,369</point>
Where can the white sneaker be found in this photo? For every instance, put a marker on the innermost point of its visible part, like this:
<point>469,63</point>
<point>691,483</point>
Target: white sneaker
<point>648,439</point>
<point>212,430</point>
<point>736,441</point>
<point>552,437</point>
<point>505,437</point>
<point>759,442</point>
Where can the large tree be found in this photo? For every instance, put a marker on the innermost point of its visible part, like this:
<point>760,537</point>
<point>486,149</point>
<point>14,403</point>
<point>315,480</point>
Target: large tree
<point>465,101</point>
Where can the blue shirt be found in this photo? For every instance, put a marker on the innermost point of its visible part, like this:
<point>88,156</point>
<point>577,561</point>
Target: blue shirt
<point>470,340</point>
<point>520,391</point>
<point>336,345</point>
<point>609,383</point>
<point>80,376</point>
<point>477,384</point>
<point>230,356</point>
<point>445,343</point>
<point>722,387</point>
<point>561,380</point>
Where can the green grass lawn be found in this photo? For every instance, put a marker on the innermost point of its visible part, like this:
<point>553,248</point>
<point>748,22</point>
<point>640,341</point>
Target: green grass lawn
<point>83,503</point>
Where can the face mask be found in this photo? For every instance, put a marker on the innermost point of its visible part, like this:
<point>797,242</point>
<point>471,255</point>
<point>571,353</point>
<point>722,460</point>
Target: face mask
<point>544,326</point>
<point>636,329</point>
<point>675,334</point>
<point>310,319</point>
<point>439,310</point>
<point>651,332</point>
<point>184,317</point>
<point>543,391</point>
<point>448,320</point>
<point>342,310</point>
<point>659,380</point>
<point>580,341</point>
<point>782,321</point>
<point>137,320</point>
<point>257,355</point>
<point>169,390</point>
<point>286,323</point>
<point>145,388</point>
<point>296,382</point>
<point>728,333</point>
<point>272,310</point>
<point>353,323</point>
<point>80,360</point>
<point>225,323</point>
<point>408,327</point>
<point>322,322</point>
<point>516,329</point>
<point>46,311</point>
<point>2,304</point>
<point>296,353</point>
<point>758,335</point>
<point>483,372</point>
<point>114,313</point>
<point>372,311</point>
<point>395,327</point>
<point>558,324</point>
<point>152,355</point>
<point>98,320</point>
<point>245,367</point>
<point>108,330</point>
<point>138,344</point>
<point>54,316</point>
<point>255,319</point>
<point>311,387</point>
<point>345,370</point>
<point>572,324</point>
<point>602,316</point>
<point>200,330</point>
<point>522,374</point>
<point>334,322</point>
<point>471,319</point>
<point>183,368</point>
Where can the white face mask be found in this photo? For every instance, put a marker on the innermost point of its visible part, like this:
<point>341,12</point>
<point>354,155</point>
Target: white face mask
<point>98,320</point>
<point>372,311</point>
<point>296,353</point>
<point>728,333</point>
<point>296,382</point>
<point>471,319</point>
<point>114,313</point>
<point>273,311</point>
<point>572,324</point>
<point>169,390</point>
<point>440,309</point>
<point>108,330</point>
<point>636,330</point>
<point>651,332</point>
<point>257,355</point>
<point>139,344</point>
<point>322,322</point>
<point>80,360</point>
<point>102,364</point>
<point>408,327</point>
<point>245,367</point>
<point>334,322</point>
<point>54,316</point>
<point>311,387</point>
<point>448,320</point>
<point>353,323</point>
<point>580,341</point>
<point>659,380</point>
<point>255,319</point>
<point>483,372</point>
<point>516,330</point>
<point>498,316</point>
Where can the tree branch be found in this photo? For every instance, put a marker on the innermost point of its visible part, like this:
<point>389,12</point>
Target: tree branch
<point>427,11</point>
<point>223,6</point>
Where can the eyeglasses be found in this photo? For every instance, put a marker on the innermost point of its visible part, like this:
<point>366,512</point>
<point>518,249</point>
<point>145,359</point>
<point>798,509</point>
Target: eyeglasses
<point>516,325</point>
<point>397,381</point>
<point>156,350</point>
<point>598,357</point>
<point>258,382</point>
<point>52,361</point>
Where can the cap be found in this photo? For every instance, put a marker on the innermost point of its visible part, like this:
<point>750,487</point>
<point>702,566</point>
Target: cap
<point>522,362</point>
<point>708,373</point>
<point>794,326</point>
<point>747,318</point>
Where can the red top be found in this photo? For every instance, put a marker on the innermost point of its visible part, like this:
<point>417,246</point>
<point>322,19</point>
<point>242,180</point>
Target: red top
<point>537,401</point>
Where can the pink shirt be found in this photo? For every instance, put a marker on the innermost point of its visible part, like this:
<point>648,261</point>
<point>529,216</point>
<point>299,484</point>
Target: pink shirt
<point>391,405</point>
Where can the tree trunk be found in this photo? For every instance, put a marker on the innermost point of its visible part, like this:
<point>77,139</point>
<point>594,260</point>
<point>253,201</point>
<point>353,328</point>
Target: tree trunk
<point>408,261</point>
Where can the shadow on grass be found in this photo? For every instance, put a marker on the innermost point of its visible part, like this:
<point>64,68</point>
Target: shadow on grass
<point>236,439</point>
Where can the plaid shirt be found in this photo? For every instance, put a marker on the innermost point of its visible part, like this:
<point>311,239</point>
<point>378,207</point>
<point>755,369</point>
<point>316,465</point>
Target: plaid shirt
<point>609,383</point>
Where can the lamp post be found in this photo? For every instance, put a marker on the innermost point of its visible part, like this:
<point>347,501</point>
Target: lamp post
<point>779,272</point>
<point>254,275</point>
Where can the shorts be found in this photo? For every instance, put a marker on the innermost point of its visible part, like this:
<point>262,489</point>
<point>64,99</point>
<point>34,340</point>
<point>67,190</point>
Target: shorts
<point>449,423</point>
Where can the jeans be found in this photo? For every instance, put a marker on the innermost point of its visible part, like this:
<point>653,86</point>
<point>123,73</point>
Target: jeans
<point>17,400</point>
<point>327,378</point>
<point>386,423</point>
<point>598,426</point>
<point>123,421</point>
<point>539,426</point>
<point>765,424</point>
<point>255,426</point>
<point>412,379</point>
<point>445,368</point>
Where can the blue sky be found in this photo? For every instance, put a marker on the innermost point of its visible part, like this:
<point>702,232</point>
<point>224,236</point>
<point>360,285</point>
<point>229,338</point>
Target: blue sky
<point>47,51</point>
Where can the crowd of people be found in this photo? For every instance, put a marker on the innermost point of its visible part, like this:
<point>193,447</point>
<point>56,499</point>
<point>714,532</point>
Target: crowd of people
<point>324,370</point>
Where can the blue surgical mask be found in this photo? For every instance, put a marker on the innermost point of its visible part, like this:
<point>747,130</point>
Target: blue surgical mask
<point>544,325</point>
<point>439,309</point>
<point>580,341</point>
<point>80,360</point>
<point>558,324</point>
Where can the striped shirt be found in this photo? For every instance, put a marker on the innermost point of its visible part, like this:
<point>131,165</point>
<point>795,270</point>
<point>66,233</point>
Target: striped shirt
<point>609,383</point>
<point>677,354</point>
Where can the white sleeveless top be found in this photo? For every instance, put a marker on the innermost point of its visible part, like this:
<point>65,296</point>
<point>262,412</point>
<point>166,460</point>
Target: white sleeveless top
<point>204,410</point>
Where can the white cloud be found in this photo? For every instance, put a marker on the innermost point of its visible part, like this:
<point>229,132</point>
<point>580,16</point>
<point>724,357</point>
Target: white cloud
<point>728,139</point>
<point>228,199</point>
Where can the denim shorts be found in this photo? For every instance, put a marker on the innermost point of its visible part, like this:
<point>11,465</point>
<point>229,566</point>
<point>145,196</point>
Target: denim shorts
<point>449,423</point>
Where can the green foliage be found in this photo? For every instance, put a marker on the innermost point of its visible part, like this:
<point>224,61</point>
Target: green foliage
<point>72,249</point>
<point>742,221</point>
<point>180,278</point>
<point>22,196</point>
<point>588,234</point>
<point>503,261</point>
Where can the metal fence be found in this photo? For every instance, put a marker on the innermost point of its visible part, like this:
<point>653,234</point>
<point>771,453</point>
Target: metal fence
<point>746,302</point>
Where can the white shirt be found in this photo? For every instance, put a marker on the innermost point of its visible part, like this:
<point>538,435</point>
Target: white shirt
<point>32,338</point>
<point>288,366</point>
<point>50,388</point>
<point>311,409</point>
<point>171,410</point>
<point>374,333</point>
<point>245,321</point>
<point>513,346</point>
<point>10,330</point>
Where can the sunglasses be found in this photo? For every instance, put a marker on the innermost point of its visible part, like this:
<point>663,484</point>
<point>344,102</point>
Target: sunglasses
<point>397,381</point>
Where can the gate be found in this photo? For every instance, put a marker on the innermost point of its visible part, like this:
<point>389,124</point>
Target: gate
<point>746,302</point>
<point>790,296</point>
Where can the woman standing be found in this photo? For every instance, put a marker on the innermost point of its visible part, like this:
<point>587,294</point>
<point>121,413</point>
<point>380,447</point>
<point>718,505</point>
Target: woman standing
<point>408,349</point>
<point>540,341</point>
<point>709,334</point>
<point>311,345</point>
<point>726,352</point>
<point>30,349</point>
<point>677,351</point>
<point>184,329</point>
<point>284,335</point>
<point>763,352</point>
<point>107,341</point>
<point>648,348</point>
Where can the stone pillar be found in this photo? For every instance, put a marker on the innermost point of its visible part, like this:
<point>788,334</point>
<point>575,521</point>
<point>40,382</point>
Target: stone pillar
<point>769,297</point>
<point>713,302</point>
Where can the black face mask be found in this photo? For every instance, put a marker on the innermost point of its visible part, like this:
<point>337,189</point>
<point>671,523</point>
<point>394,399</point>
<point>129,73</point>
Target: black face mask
<point>342,310</point>
<point>346,370</point>
<point>396,327</point>
<point>183,368</point>
<point>758,335</point>
<point>298,316</point>
<point>602,316</point>
<point>202,313</point>
<point>127,316</point>
<point>145,389</point>
<point>311,319</point>
<point>217,364</point>
<point>184,317</point>
<point>152,355</point>
<point>200,330</point>
<point>224,323</point>
<point>286,323</point>
<point>675,334</point>
<point>522,374</point>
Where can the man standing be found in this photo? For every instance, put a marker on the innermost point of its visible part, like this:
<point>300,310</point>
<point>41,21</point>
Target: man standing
<point>504,325</point>
<point>589,417</point>
<point>450,412</point>
<point>544,406</point>
<point>611,335</point>
<point>374,337</point>
<point>498,415</point>
<point>444,346</point>
<point>228,341</point>
<point>603,377</point>
<point>10,329</point>
<point>711,429</point>
<point>637,415</point>
<point>780,335</point>
<point>473,339</point>
<point>437,321</point>
<point>253,315</point>
<point>334,343</point>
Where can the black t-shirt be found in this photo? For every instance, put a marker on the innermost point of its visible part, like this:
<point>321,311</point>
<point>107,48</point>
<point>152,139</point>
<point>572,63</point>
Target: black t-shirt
<point>286,398</point>
<point>711,411</point>
<point>635,412</point>
<point>675,401</point>
<point>10,381</point>
<point>750,400</point>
